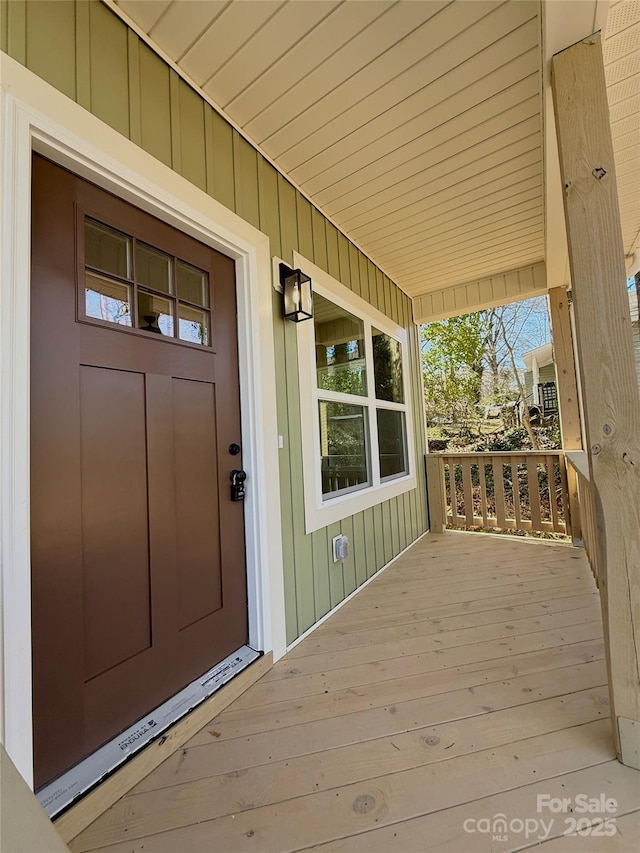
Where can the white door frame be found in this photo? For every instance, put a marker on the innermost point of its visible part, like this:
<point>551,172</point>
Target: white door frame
<point>36,117</point>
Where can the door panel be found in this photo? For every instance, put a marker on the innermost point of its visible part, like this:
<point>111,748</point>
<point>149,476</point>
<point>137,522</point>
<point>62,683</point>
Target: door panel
<point>196,465</point>
<point>115,542</point>
<point>138,563</point>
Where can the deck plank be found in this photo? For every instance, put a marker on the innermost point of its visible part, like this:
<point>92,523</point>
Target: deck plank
<point>215,796</point>
<point>299,822</point>
<point>472,658</point>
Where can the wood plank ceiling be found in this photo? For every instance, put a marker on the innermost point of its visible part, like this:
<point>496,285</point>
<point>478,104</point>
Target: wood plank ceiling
<point>414,125</point>
<point>621,50</point>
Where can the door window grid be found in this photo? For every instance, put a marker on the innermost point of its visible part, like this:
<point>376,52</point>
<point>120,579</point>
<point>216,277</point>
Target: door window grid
<point>131,284</point>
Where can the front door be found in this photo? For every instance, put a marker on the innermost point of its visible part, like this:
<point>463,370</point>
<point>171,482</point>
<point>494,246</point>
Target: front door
<point>138,559</point>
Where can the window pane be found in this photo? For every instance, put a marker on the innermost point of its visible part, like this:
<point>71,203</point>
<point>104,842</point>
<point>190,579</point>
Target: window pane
<point>387,366</point>
<point>343,447</point>
<point>106,250</point>
<point>193,325</point>
<point>153,268</point>
<point>107,300</point>
<point>340,359</point>
<point>193,284</point>
<point>155,314</point>
<point>391,443</point>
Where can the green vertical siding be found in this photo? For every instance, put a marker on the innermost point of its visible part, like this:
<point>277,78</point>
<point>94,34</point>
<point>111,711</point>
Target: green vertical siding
<point>318,223</point>
<point>89,54</point>
<point>17,30</point>
<point>333,253</point>
<point>371,562</point>
<point>219,154</point>
<point>288,219</point>
<point>49,23</point>
<point>155,105</point>
<point>191,135</point>
<point>354,269</point>
<point>336,576</point>
<point>133,57</point>
<point>4,18</point>
<point>268,202</point>
<point>321,582</point>
<point>245,168</point>
<point>305,229</point>
<point>109,79</point>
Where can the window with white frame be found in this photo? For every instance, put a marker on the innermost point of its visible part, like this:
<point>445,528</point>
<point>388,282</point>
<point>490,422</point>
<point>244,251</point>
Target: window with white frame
<point>354,404</point>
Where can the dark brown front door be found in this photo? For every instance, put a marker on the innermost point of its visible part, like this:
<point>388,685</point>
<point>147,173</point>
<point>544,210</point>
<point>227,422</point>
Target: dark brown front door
<point>138,560</point>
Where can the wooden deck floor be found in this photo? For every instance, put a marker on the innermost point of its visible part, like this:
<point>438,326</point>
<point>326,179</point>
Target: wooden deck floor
<point>467,679</point>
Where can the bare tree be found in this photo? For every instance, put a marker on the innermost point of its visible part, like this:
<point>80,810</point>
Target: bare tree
<point>519,326</point>
<point>509,348</point>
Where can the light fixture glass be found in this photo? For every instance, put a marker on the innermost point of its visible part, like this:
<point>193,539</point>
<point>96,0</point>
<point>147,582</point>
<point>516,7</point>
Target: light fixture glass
<point>297,294</point>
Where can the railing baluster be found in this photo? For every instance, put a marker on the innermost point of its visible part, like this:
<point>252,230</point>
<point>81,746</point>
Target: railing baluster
<point>483,492</point>
<point>551,475</point>
<point>498,485</point>
<point>467,487</point>
<point>565,494</point>
<point>516,492</point>
<point>534,492</point>
<point>453,493</point>
<point>453,466</point>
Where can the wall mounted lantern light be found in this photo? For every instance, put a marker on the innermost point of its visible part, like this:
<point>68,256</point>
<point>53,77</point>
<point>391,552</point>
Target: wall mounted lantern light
<point>297,294</point>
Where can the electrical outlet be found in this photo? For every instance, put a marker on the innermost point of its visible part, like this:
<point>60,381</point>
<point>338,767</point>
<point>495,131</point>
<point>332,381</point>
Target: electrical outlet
<point>340,548</point>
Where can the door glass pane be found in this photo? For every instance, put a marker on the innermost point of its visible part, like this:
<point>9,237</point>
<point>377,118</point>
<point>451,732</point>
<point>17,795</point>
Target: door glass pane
<point>193,325</point>
<point>107,300</point>
<point>340,359</point>
<point>387,366</point>
<point>391,443</point>
<point>106,250</point>
<point>193,284</point>
<point>343,447</point>
<point>155,314</point>
<point>153,268</point>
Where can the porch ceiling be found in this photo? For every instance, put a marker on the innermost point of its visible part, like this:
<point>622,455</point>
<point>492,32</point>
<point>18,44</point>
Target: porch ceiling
<point>621,49</point>
<point>415,126</point>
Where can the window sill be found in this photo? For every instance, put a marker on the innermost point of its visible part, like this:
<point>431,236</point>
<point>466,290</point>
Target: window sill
<point>335,509</point>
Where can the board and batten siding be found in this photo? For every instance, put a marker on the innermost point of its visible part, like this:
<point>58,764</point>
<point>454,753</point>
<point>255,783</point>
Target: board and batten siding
<point>92,57</point>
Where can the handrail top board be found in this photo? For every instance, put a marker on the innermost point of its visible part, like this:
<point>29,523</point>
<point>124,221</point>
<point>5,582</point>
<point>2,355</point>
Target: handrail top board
<point>579,461</point>
<point>502,453</point>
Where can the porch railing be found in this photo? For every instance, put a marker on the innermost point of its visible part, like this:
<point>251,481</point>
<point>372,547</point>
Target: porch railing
<point>519,491</point>
<point>580,464</point>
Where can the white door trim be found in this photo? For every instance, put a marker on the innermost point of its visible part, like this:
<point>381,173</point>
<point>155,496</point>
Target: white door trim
<point>37,117</point>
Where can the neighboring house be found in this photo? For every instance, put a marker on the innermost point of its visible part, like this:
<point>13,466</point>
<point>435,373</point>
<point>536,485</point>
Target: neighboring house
<point>189,480</point>
<point>540,380</point>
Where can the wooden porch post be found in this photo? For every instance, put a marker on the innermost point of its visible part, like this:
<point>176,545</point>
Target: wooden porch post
<point>569,410</point>
<point>605,352</point>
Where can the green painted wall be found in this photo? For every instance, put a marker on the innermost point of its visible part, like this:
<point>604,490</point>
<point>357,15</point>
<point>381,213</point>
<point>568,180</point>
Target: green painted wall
<point>90,55</point>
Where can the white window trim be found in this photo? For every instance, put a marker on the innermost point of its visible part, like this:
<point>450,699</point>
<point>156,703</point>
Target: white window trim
<point>36,117</point>
<point>318,512</point>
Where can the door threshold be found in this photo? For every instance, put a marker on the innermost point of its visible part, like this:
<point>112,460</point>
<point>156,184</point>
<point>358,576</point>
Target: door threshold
<point>57,796</point>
